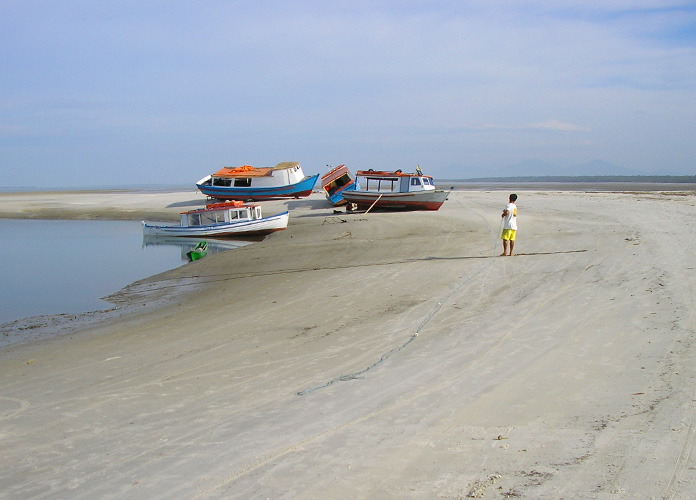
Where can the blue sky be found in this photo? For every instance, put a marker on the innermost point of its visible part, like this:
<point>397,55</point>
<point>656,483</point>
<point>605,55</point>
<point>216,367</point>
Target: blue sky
<point>142,92</point>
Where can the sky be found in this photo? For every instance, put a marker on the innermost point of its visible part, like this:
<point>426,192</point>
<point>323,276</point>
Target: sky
<point>115,93</point>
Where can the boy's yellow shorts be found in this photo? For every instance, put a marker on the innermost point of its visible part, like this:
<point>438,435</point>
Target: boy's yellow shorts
<point>509,234</point>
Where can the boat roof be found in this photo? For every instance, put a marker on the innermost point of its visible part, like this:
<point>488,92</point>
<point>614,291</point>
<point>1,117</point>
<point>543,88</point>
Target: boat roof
<point>388,173</point>
<point>220,206</point>
<point>249,171</point>
<point>334,174</point>
<point>335,170</point>
<point>286,164</point>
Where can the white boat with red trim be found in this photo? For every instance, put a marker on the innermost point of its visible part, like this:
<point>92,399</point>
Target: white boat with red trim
<point>232,218</point>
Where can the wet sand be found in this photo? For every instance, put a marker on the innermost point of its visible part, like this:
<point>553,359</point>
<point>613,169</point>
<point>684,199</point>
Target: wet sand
<point>380,355</point>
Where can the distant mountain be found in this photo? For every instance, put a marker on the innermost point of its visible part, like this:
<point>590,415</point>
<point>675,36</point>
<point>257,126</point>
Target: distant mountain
<point>531,167</point>
<point>601,167</point>
<point>541,168</point>
<point>537,168</point>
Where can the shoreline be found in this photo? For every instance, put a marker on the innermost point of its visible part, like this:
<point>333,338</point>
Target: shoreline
<point>108,204</point>
<point>389,354</point>
<point>136,204</point>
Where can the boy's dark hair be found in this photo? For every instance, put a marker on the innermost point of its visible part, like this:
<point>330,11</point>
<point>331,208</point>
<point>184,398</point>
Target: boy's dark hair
<point>513,198</point>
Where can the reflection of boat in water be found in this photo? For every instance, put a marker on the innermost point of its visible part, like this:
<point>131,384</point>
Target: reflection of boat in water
<point>396,190</point>
<point>198,252</point>
<point>285,180</point>
<point>221,220</point>
<point>335,182</point>
<point>186,244</point>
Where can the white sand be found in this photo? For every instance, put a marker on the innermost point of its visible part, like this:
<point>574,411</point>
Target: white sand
<point>294,370</point>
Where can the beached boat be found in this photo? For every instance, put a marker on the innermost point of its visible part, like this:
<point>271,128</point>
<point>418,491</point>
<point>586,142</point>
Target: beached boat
<point>233,218</point>
<point>198,252</point>
<point>285,180</point>
<point>335,182</point>
<point>395,190</point>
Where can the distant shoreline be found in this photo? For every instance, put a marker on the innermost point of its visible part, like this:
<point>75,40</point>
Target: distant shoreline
<point>647,179</point>
<point>145,188</point>
<point>478,181</point>
<point>580,183</point>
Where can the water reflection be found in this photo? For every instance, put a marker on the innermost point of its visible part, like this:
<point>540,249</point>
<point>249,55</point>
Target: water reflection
<point>186,244</point>
<point>64,266</point>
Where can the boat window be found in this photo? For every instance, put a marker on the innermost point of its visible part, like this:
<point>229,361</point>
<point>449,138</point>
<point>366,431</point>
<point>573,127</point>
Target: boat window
<point>387,185</point>
<point>342,181</point>
<point>219,181</point>
<point>208,218</point>
<point>194,219</point>
<point>242,182</point>
<point>258,212</point>
<point>415,181</point>
<point>234,214</point>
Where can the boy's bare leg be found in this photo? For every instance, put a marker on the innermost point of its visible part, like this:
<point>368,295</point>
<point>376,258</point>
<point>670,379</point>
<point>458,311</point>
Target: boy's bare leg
<point>505,245</point>
<point>512,245</point>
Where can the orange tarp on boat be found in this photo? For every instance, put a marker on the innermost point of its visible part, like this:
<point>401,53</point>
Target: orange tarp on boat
<point>244,171</point>
<point>249,171</point>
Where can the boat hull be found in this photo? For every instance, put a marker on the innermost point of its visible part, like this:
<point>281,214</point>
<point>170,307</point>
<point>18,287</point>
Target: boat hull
<point>417,200</point>
<point>262,226</point>
<point>300,189</point>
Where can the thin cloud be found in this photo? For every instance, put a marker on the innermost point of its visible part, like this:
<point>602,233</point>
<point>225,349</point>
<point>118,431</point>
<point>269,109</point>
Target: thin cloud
<point>556,125</point>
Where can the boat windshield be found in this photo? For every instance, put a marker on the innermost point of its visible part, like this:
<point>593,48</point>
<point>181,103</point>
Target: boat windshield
<point>206,218</point>
<point>380,184</point>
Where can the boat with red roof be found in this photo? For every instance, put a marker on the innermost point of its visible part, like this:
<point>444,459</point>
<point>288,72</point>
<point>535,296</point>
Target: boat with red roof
<point>232,218</point>
<point>395,190</point>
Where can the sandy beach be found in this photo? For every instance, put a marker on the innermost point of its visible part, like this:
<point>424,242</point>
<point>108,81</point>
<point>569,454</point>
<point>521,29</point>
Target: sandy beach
<point>375,356</point>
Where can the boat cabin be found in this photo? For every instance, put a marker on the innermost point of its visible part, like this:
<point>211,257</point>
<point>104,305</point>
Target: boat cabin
<point>393,182</point>
<point>220,213</point>
<point>246,176</point>
<point>336,179</point>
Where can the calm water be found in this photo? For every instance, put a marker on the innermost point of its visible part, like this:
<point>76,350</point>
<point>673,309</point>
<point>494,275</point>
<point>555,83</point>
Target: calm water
<point>63,266</point>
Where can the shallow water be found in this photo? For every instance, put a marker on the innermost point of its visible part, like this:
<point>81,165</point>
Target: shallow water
<point>65,266</point>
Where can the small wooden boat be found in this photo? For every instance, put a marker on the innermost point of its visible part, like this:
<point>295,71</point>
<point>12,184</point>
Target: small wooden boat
<point>232,218</point>
<point>335,182</point>
<point>285,180</point>
<point>395,190</point>
<point>199,251</point>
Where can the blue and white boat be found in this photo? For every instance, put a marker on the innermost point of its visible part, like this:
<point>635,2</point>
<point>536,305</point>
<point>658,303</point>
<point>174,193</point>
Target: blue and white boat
<point>335,182</point>
<point>285,180</point>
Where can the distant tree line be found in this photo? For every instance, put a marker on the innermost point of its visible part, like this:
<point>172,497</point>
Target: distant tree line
<point>657,179</point>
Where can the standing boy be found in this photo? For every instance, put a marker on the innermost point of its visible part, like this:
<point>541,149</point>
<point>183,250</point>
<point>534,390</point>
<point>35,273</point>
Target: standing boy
<point>509,225</point>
